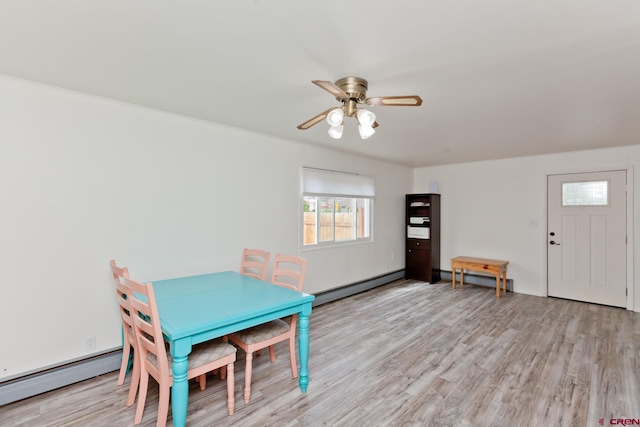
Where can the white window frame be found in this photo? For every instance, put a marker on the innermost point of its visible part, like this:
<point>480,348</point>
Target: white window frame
<point>337,184</point>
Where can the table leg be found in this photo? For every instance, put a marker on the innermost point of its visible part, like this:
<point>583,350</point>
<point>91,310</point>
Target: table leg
<point>303,342</point>
<point>180,387</point>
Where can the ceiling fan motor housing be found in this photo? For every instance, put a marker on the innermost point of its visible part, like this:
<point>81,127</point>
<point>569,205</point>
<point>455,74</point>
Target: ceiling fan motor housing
<point>355,87</point>
<point>356,90</point>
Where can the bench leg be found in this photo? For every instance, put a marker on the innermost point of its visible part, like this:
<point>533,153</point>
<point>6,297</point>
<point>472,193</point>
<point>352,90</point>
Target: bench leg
<point>504,281</point>
<point>498,285</point>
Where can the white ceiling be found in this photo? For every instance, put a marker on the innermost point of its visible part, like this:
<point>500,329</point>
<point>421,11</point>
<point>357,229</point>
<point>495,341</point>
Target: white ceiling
<point>499,78</point>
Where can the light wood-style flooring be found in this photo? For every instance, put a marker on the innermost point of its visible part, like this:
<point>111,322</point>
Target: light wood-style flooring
<point>409,354</point>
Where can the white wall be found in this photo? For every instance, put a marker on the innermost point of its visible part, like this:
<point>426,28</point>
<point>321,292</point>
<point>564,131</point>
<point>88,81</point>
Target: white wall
<point>84,180</point>
<point>487,208</point>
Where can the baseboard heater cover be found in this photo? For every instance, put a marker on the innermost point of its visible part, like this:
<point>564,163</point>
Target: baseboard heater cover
<point>356,288</point>
<point>50,379</point>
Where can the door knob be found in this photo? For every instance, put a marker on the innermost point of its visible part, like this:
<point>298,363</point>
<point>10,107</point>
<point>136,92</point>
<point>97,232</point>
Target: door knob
<point>554,243</point>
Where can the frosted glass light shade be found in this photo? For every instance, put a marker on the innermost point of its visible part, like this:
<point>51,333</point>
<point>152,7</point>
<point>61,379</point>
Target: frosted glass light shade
<point>335,132</point>
<point>335,116</point>
<point>366,118</point>
<point>365,131</point>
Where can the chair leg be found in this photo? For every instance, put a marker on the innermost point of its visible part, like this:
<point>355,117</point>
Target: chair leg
<point>163,406</point>
<point>202,380</point>
<point>125,362</point>
<point>142,397</point>
<point>247,378</point>
<point>135,380</point>
<point>272,353</point>
<point>231,400</point>
<point>223,372</point>
<point>292,357</point>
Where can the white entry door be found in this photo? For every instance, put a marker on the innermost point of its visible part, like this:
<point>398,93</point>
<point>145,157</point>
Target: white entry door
<point>586,237</point>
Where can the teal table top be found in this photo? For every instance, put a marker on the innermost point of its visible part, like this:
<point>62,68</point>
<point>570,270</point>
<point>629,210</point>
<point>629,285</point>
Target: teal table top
<point>209,302</point>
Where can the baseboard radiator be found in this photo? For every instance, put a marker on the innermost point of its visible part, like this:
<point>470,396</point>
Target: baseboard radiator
<point>356,288</point>
<point>51,378</point>
<point>74,371</point>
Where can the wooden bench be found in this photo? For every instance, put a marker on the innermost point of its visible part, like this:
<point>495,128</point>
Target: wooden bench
<point>492,266</point>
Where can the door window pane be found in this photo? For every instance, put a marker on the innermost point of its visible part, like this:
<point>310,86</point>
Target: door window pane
<point>590,193</point>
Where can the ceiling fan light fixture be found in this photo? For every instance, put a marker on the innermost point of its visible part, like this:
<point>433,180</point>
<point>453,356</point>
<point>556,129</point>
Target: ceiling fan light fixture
<point>335,132</point>
<point>365,131</point>
<point>351,92</point>
<point>366,117</point>
<point>335,116</point>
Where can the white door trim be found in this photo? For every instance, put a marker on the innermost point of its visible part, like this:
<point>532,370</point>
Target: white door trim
<point>630,229</point>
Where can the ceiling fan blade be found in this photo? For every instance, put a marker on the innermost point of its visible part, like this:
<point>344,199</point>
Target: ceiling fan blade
<point>331,88</point>
<point>401,101</point>
<point>315,120</point>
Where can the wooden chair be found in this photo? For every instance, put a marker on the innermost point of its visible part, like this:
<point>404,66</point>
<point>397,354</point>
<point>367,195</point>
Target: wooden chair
<point>155,360</point>
<point>255,263</point>
<point>288,272</point>
<point>129,340</point>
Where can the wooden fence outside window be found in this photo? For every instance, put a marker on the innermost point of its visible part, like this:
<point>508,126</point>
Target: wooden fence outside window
<point>344,226</point>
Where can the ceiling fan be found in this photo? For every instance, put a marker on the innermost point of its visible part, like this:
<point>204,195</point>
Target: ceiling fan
<point>351,92</point>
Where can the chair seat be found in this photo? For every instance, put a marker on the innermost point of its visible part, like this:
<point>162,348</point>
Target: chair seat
<point>201,354</point>
<point>263,332</point>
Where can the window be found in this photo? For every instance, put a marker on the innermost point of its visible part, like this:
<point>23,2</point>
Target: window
<point>589,193</point>
<point>336,207</point>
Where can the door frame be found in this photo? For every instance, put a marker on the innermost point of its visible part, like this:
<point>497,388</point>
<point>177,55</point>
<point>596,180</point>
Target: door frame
<point>629,225</point>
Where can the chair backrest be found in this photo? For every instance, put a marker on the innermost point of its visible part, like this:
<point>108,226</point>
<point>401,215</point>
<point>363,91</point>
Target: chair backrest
<point>146,324</point>
<point>289,271</point>
<point>255,263</point>
<point>119,273</point>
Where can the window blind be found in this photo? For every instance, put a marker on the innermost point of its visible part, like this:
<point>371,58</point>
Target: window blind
<point>327,182</point>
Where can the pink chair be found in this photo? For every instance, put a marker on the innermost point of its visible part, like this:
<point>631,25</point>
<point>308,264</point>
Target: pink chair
<point>129,341</point>
<point>156,361</point>
<point>288,272</point>
<point>255,263</point>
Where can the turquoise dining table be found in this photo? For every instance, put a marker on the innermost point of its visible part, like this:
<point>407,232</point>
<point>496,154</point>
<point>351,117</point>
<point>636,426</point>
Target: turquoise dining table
<point>199,308</point>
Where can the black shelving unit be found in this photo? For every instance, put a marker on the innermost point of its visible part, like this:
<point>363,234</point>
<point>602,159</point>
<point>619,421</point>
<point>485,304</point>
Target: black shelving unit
<point>422,254</point>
